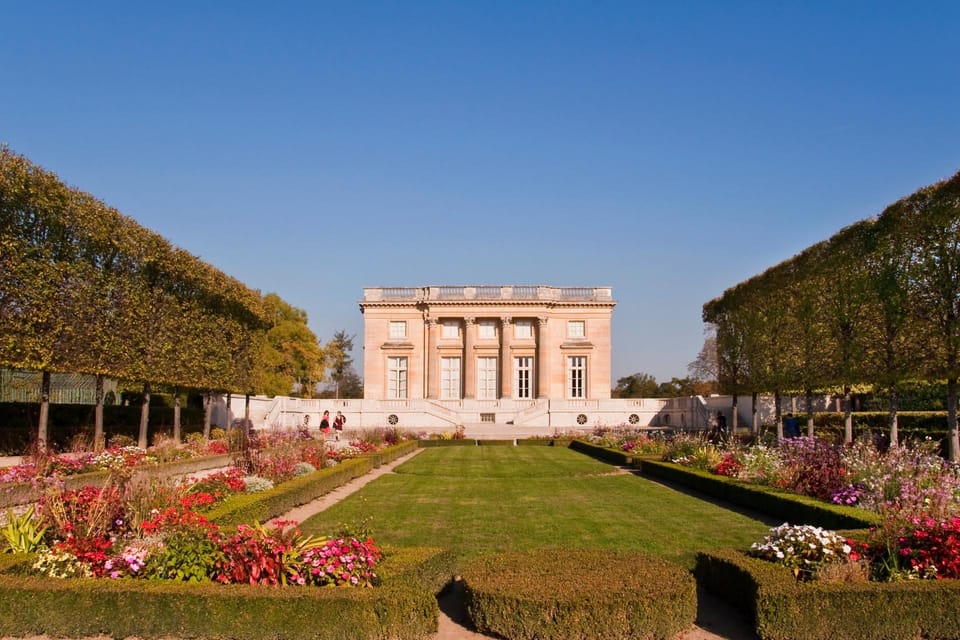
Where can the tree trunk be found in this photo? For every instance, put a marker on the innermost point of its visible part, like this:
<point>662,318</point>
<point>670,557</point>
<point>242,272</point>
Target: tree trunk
<point>229,412</point>
<point>44,410</point>
<point>847,415</point>
<point>207,414</point>
<point>735,416</point>
<point>954,442</point>
<point>894,422</point>
<point>98,440</point>
<point>176,415</point>
<point>144,416</point>
<point>246,411</point>
<point>810,412</point>
<point>778,416</point>
<point>754,415</point>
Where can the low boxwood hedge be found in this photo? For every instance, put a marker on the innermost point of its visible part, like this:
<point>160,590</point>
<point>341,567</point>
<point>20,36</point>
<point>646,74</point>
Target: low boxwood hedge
<point>784,609</point>
<point>613,456</point>
<point>495,442</point>
<point>403,607</point>
<point>552,594</point>
<point>788,506</point>
<point>437,442</point>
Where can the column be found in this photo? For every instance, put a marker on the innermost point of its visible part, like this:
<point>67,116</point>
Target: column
<point>431,362</point>
<point>543,367</point>
<point>469,361</point>
<point>506,362</point>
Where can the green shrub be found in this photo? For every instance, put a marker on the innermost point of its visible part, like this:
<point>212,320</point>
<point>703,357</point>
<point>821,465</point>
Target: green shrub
<point>613,456</point>
<point>784,609</point>
<point>552,594</point>
<point>494,442</point>
<point>464,442</point>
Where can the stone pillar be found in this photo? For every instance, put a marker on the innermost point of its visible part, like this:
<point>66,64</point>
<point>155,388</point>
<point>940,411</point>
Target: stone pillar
<point>469,361</point>
<point>431,362</point>
<point>542,368</point>
<point>506,362</point>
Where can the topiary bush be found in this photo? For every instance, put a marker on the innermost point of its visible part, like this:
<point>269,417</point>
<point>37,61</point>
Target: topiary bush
<point>552,594</point>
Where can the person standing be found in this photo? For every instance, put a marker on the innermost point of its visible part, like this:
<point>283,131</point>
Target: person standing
<point>338,421</point>
<point>325,423</point>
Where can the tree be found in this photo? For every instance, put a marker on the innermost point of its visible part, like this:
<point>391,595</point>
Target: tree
<point>350,386</point>
<point>339,359</point>
<point>637,385</point>
<point>705,370</point>
<point>292,353</point>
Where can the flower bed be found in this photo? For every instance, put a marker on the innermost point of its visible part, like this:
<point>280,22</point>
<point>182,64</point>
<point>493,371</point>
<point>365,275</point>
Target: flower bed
<point>403,607</point>
<point>195,551</point>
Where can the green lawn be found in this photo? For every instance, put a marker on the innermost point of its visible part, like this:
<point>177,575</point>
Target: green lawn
<point>482,499</point>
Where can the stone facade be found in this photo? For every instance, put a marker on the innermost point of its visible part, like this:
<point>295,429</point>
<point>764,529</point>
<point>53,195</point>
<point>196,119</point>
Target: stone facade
<point>487,343</point>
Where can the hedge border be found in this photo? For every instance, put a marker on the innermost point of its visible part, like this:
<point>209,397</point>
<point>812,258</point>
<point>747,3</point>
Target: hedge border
<point>596,594</point>
<point>784,609</point>
<point>405,607</point>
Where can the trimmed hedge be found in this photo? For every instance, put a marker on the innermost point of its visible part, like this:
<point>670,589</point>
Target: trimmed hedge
<point>613,456</point>
<point>784,609</point>
<point>495,442</point>
<point>404,607</point>
<point>462,442</point>
<point>544,442</point>
<point>552,594</point>
<point>791,507</point>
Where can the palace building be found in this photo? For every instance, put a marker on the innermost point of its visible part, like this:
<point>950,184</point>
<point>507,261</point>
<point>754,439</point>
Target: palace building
<point>487,343</point>
<point>496,361</point>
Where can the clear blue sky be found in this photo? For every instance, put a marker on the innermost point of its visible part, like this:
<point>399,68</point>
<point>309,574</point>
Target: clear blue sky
<point>666,149</point>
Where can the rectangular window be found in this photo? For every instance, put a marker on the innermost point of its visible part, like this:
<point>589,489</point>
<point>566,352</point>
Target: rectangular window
<point>396,378</point>
<point>398,329</point>
<point>576,329</point>
<point>451,328</point>
<point>576,376</point>
<point>487,329</point>
<point>522,377</point>
<point>486,378</point>
<point>449,378</point>
<point>523,329</point>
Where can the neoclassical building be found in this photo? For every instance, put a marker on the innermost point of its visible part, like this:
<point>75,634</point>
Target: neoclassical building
<point>496,360</point>
<point>487,343</point>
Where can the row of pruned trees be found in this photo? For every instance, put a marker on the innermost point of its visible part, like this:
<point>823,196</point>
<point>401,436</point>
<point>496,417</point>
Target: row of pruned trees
<point>85,289</point>
<point>878,304</point>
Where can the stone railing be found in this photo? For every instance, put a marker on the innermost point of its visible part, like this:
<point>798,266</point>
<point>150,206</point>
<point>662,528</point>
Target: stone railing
<point>425,294</point>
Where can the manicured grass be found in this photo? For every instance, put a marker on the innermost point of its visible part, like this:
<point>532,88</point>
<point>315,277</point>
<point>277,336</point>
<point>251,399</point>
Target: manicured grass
<point>483,499</point>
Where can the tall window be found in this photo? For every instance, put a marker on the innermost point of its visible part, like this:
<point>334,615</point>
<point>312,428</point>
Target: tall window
<point>396,378</point>
<point>486,378</point>
<point>451,329</point>
<point>522,377</point>
<point>449,378</point>
<point>576,376</point>
<point>576,329</point>
<point>487,329</point>
<point>523,329</point>
<point>398,329</point>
